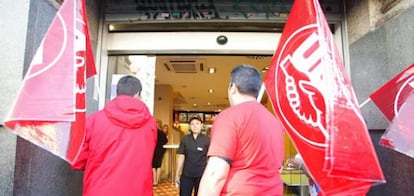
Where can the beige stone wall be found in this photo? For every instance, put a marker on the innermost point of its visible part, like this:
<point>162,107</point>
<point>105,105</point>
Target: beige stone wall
<point>367,15</point>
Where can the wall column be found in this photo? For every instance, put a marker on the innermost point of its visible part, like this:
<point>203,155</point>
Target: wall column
<point>14,20</point>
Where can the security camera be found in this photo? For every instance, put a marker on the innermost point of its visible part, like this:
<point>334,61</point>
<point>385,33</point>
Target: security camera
<point>222,39</point>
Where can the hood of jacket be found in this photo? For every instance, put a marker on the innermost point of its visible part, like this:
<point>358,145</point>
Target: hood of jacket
<point>127,112</point>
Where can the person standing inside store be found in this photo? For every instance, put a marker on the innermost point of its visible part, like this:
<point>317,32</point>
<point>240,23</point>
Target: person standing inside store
<point>158,154</point>
<point>165,129</point>
<point>192,158</point>
<point>247,143</point>
<point>119,145</point>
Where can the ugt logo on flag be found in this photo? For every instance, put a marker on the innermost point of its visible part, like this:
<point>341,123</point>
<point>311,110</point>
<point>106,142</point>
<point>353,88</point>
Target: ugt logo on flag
<point>301,80</point>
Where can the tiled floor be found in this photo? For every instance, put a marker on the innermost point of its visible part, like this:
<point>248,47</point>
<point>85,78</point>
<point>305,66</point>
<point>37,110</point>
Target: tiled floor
<point>165,188</point>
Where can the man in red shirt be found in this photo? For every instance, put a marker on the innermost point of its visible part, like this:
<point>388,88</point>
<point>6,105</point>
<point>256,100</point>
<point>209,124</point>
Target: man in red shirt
<point>247,143</point>
<point>119,144</point>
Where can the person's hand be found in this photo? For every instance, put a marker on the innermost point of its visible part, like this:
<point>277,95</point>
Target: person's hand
<point>298,161</point>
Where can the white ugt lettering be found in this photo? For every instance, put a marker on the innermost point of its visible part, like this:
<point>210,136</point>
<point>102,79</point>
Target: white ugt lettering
<point>307,58</point>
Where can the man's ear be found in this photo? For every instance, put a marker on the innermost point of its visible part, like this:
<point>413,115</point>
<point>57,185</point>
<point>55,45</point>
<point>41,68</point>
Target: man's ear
<point>233,89</point>
<point>137,95</point>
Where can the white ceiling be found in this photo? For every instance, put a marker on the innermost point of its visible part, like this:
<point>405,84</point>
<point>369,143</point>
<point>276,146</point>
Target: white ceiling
<point>192,88</point>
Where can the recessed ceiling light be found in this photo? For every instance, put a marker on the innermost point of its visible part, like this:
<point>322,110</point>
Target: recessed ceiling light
<point>210,90</point>
<point>211,70</point>
<point>111,27</point>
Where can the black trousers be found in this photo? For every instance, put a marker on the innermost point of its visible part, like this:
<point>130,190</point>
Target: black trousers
<point>187,184</point>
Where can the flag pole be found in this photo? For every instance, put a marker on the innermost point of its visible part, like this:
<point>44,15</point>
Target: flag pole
<point>363,103</point>
<point>261,92</point>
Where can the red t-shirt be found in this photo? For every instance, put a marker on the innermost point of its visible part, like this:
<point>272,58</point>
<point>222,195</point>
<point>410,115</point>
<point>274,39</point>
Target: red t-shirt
<point>250,136</point>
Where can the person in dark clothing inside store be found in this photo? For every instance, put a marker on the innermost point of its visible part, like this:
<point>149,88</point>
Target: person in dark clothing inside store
<point>158,154</point>
<point>192,158</point>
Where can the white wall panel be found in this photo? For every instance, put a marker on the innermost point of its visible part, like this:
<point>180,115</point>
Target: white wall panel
<point>191,43</point>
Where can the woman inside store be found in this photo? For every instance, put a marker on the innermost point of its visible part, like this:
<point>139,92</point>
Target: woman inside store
<point>159,152</point>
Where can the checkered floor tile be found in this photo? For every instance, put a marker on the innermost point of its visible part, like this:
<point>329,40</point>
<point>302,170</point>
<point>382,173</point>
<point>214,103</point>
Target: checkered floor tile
<point>166,188</point>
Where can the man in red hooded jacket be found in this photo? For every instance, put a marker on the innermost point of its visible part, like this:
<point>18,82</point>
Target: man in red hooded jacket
<point>119,144</point>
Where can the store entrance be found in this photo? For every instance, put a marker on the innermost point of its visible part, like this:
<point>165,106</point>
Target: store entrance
<point>190,72</point>
<point>183,86</point>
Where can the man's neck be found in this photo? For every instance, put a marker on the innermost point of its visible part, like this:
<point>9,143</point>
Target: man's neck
<point>243,98</point>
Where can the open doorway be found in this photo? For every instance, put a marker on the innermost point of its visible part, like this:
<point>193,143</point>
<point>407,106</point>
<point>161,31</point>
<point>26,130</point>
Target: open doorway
<point>185,83</point>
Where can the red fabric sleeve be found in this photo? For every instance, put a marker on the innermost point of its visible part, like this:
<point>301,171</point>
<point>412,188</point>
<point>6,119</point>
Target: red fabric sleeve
<point>80,161</point>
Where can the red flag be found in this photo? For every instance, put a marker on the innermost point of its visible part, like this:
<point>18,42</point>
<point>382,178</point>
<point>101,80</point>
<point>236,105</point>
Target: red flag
<point>314,99</point>
<point>50,108</point>
<point>399,136</point>
<point>395,99</point>
<point>393,94</point>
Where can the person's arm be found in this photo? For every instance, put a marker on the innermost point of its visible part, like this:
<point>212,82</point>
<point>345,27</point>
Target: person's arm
<point>300,164</point>
<point>214,176</point>
<point>165,139</point>
<point>180,163</point>
<point>80,162</point>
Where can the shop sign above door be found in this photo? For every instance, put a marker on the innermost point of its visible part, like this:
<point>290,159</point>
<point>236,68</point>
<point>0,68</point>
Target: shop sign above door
<point>177,10</point>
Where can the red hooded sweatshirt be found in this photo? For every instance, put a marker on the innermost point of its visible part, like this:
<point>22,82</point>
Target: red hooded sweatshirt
<point>118,148</point>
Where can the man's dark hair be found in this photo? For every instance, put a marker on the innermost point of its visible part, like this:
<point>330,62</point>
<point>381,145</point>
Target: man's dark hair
<point>195,118</point>
<point>247,79</point>
<point>128,85</point>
